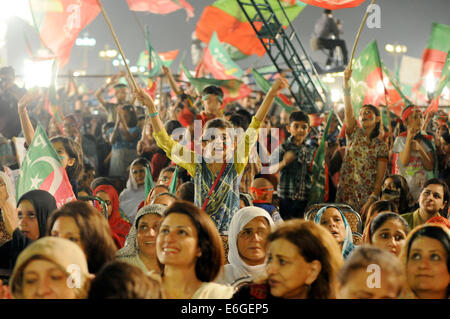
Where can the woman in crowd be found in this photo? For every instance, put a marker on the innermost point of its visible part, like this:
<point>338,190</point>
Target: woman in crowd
<point>247,236</point>
<point>140,246</point>
<point>370,273</point>
<point>134,193</point>
<point>119,226</point>
<point>396,189</point>
<point>190,250</point>
<point>123,138</point>
<point>120,280</point>
<point>387,231</point>
<point>8,220</point>
<point>332,218</point>
<point>85,226</point>
<point>366,155</point>
<point>426,257</point>
<point>378,207</point>
<point>44,270</point>
<point>302,262</point>
<point>33,210</point>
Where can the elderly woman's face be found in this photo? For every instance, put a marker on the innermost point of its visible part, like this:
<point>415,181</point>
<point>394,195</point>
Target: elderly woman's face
<point>252,239</point>
<point>42,279</point>
<point>332,220</point>
<point>288,272</point>
<point>426,268</point>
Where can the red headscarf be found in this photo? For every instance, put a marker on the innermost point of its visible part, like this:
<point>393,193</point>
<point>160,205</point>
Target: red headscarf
<point>119,227</point>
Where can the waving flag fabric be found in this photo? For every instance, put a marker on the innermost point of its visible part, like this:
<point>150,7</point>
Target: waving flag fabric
<point>59,22</point>
<point>445,75</point>
<point>161,6</point>
<point>42,169</point>
<point>265,85</point>
<point>334,4</point>
<point>227,19</point>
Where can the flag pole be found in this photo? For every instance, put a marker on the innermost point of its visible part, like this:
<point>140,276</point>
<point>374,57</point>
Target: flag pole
<point>118,44</point>
<point>359,32</point>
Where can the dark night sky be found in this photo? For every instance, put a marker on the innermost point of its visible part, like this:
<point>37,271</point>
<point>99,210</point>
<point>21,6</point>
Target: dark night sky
<point>404,21</point>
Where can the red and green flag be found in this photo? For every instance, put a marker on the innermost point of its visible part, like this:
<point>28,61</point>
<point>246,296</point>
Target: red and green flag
<point>265,86</point>
<point>218,62</point>
<point>433,60</point>
<point>319,171</point>
<point>173,181</point>
<point>445,75</point>
<point>161,6</point>
<point>226,18</point>
<point>59,22</point>
<point>334,4</point>
<point>167,58</point>
<point>42,169</point>
<point>372,83</point>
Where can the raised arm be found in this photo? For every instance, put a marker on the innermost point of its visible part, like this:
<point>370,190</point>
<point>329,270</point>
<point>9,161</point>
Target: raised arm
<point>350,121</point>
<point>101,90</point>
<point>173,84</point>
<point>24,102</point>
<point>277,86</point>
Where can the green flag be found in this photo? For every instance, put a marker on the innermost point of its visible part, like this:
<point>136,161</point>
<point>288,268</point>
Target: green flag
<point>148,181</point>
<point>155,62</point>
<point>42,169</point>
<point>319,189</point>
<point>265,86</point>
<point>173,181</point>
<point>445,74</point>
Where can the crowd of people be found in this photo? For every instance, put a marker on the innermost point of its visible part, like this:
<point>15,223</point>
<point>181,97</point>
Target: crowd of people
<point>183,197</point>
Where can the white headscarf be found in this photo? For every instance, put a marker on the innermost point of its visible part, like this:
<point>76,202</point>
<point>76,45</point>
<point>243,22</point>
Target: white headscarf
<point>237,268</point>
<point>131,197</point>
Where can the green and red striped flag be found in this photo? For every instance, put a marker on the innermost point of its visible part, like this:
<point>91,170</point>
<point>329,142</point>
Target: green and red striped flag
<point>59,22</point>
<point>319,170</point>
<point>161,6</point>
<point>334,4</point>
<point>265,86</point>
<point>396,100</point>
<point>433,60</point>
<point>42,169</point>
<point>173,181</point>
<point>226,18</point>
<point>167,58</point>
<point>445,75</point>
<point>218,62</point>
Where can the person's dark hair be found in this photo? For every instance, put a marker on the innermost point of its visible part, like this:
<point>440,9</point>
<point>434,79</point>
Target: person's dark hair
<point>120,280</point>
<point>380,219</point>
<point>140,161</point>
<point>446,137</point>
<point>379,206</point>
<point>119,85</point>
<point>438,181</point>
<point>208,265</point>
<point>74,150</point>
<point>186,192</point>
<point>363,256</point>
<point>101,181</point>
<point>313,242</point>
<point>86,190</point>
<point>246,117</point>
<point>167,169</point>
<point>140,118</point>
<point>327,11</point>
<point>132,122</point>
<point>95,232</point>
<point>405,196</point>
<point>237,120</point>
<point>376,130</point>
<point>107,126</point>
<point>213,90</point>
<point>172,125</point>
<point>217,123</point>
<point>299,116</point>
<point>246,198</point>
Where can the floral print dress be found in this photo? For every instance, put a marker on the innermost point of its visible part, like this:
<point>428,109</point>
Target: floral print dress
<point>359,169</point>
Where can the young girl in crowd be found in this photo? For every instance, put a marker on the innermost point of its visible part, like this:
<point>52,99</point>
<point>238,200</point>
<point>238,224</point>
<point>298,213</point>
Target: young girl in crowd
<point>33,210</point>
<point>215,174</point>
<point>119,226</point>
<point>366,155</point>
<point>85,226</point>
<point>396,189</point>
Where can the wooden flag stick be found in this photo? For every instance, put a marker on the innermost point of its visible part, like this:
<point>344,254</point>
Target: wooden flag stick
<point>359,32</point>
<point>118,44</point>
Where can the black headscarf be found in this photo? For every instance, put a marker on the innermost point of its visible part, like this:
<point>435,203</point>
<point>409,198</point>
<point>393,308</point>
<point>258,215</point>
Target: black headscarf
<point>44,204</point>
